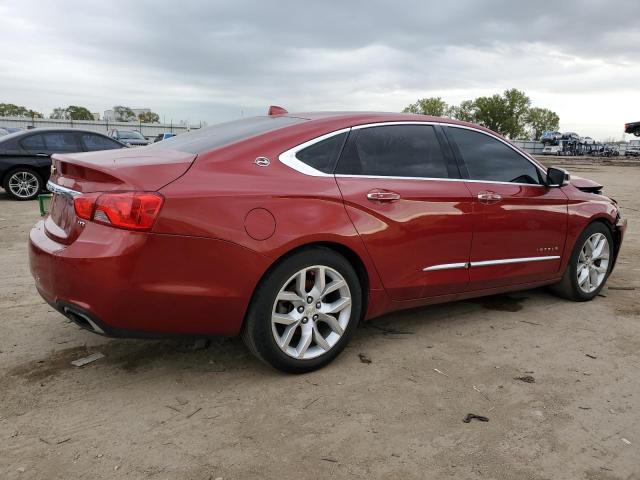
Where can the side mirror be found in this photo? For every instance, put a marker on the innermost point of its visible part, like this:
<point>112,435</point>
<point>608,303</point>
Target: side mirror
<point>557,177</point>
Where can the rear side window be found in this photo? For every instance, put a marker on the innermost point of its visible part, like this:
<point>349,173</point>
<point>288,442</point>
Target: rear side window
<point>489,159</point>
<point>32,142</point>
<point>394,151</point>
<point>216,136</point>
<point>97,142</point>
<point>324,154</point>
<point>61,142</point>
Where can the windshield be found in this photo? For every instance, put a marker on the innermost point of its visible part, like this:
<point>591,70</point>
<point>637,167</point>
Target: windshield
<point>216,136</point>
<point>130,135</point>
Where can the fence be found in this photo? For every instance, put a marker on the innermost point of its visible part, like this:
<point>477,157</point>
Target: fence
<point>529,146</point>
<point>102,126</point>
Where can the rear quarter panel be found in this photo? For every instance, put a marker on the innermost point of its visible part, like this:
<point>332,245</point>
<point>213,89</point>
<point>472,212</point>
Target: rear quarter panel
<point>214,198</point>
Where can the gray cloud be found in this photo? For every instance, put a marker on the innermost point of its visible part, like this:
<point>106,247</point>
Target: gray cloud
<point>214,60</point>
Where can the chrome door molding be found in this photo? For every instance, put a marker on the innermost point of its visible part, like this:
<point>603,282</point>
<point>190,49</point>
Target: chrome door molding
<point>489,263</point>
<point>446,266</point>
<point>507,261</point>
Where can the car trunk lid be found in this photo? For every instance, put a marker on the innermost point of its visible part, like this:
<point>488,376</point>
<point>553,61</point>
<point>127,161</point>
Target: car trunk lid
<point>106,171</point>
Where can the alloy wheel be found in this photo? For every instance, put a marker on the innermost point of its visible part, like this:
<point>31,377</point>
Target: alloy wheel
<point>311,312</point>
<point>23,184</point>
<point>593,262</point>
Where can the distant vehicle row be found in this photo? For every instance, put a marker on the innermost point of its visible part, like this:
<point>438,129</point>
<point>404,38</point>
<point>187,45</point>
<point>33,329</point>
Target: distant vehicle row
<point>25,156</point>
<point>552,138</point>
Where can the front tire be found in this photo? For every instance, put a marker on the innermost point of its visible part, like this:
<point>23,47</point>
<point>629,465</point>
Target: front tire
<point>22,183</point>
<point>589,266</point>
<point>304,311</point>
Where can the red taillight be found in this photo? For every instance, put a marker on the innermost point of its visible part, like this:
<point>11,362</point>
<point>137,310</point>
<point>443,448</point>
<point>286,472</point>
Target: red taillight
<point>83,205</point>
<point>128,210</point>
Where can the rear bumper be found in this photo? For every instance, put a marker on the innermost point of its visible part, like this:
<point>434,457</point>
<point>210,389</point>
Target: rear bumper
<point>144,284</point>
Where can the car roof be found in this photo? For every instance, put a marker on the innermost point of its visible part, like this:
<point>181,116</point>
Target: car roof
<point>339,120</point>
<point>54,130</point>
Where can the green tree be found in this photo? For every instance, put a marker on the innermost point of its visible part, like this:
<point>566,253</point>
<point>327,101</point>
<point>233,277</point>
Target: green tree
<point>517,105</point>
<point>11,110</point>
<point>429,106</point>
<point>539,120</point>
<point>79,113</point>
<point>149,117</point>
<point>491,112</point>
<point>59,113</point>
<point>510,114</point>
<point>123,114</point>
<point>465,112</point>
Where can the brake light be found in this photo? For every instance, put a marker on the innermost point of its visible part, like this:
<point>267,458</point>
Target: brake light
<point>127,210</point>
<point>83,205</point>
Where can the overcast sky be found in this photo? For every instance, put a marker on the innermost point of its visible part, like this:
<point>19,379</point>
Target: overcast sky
<point>219,60</point>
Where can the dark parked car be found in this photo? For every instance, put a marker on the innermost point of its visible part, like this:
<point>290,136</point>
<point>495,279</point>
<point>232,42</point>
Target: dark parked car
<point>132,138</point>
<point>633,128</point>
<point>25,157</point>
<point>291,229</point>
<point>13,129</point>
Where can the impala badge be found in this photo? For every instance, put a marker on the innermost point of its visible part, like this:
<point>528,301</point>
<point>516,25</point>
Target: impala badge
<point>53,169</point>
<point>262,161</point>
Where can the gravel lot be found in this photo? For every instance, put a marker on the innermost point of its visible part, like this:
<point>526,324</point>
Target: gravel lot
<point>157,410</point>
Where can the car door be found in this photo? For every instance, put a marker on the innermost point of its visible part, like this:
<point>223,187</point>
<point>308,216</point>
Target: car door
<point>399,188</point>
<point>33,146</point>
<point>519,224</point>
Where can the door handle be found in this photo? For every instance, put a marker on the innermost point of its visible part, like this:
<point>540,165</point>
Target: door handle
<point>383,196</point>
<point>489,197</point>
<point>42,155</point>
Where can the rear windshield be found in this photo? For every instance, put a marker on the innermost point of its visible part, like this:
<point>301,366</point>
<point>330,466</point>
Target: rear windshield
<point>216,136</point>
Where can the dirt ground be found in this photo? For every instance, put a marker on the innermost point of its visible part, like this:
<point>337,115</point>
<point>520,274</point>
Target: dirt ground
<point>154,410</point>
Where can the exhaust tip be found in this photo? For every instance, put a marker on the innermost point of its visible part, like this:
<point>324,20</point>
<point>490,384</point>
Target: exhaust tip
<point>82,320</point>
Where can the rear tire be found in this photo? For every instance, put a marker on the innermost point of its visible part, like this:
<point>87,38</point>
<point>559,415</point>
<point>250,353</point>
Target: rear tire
<point>589,266</point>
<point>304,311</point>
<point>22,183</point>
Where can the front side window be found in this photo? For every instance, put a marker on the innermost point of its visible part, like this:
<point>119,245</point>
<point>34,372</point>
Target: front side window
<point>61,142</point>
<point>489,159</point>
<point>394,151</point>
<point>323,155</point>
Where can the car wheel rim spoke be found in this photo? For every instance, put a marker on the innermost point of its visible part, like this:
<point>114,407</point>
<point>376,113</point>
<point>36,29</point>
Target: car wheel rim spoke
<point>23,184</point>
<point>311,312</point>
<point>593,263</point>
<point>332,322</point>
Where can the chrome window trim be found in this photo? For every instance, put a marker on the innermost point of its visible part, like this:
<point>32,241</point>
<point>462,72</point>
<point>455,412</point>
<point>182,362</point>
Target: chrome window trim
<point>52,187</point>
<point>488,263</point>
<point>464,127</point>
<point>289,158</point>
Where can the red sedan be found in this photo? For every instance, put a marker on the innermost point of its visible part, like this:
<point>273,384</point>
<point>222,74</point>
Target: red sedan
<point>290,229</point>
